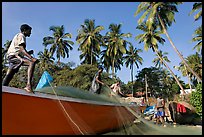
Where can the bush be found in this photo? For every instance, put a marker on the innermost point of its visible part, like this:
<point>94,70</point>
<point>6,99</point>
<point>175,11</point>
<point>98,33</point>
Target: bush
<point>196,99</point>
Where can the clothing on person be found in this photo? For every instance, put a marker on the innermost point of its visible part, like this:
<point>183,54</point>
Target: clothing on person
<point>95,87</point>
<point>160,110</point>
<point>96,84</point>
<point>115,87</point>
<point>15,56</point>
<point>181,108</point>
<point>14,48</point>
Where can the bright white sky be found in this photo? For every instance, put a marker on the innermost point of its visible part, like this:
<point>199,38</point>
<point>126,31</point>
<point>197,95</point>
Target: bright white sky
<point>42,15</point>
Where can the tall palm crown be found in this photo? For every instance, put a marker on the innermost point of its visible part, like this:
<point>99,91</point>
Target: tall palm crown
<point>132,57</point>
<point>45,58</point>
<point>161,14</point>
<point>197,6</point>
<point>115,46</point>
<point>198,38</point>
<point>59,42</point>
<point>89,38</point>
<point>158,62</point>
<point>150,37</point>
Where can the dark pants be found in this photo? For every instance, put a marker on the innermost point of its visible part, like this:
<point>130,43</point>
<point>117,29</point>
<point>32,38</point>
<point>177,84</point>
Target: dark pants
<point>14,65</point>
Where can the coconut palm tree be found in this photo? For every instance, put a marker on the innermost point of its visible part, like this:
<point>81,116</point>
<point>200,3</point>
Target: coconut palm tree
<point>161,60</point>
<point>116,45</point>
<point>59,42</point>
<point>150,39</point>
<point>198,39</point>
<point>89,38</point>
<point>196,7</point>
<point>132,58</point>
<point>162,14</point>
<point>45,58</point>
<point>195,62</point>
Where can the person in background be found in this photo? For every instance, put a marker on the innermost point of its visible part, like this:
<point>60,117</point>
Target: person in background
<point>97,82</point>
<point>116,89</point>
<point>17,56</point>
<point>160,104</point>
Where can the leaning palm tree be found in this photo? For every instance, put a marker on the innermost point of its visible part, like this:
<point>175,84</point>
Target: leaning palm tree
<point>197,6</point>
<point>162,14</point>
<point>89,38</point>
<point>150,39</point>
<point>198,39</point>
<point>116,45</point>
<point>161,60</point>
<point>132,58</point>
<point>195,62</point>
<point>184,72</point>
<point>59,42</point>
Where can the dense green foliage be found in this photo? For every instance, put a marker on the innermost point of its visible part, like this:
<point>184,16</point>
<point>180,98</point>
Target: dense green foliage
<point>196,99</point>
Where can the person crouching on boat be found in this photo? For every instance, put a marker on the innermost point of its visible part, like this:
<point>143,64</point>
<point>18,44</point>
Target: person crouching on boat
<point>96,84</point>
<point>15,55</point>
<point>116,90</point>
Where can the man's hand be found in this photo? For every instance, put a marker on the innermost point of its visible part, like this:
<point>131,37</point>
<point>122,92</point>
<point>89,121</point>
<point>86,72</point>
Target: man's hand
<point>35,60</point>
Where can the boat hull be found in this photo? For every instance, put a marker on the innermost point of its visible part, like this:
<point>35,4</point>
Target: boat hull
<point>25,114</point>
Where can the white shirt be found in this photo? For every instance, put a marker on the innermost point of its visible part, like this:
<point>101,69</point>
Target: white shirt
<point>14,47</point>
<point>115,87</point>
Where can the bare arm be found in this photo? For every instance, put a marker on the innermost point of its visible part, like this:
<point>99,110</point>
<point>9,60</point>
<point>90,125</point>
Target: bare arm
<point>99,80</point>
<point>23,50</point>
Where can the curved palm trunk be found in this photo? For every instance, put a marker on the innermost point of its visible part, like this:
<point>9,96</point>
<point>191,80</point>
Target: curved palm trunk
<point>170,71</point>
<point>132,78</point>
<point>179,54</point>
<point>189,81</point>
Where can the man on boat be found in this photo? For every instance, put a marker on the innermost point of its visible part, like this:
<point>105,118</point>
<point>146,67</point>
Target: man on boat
<point>16,57</point>
<point>97,83</point>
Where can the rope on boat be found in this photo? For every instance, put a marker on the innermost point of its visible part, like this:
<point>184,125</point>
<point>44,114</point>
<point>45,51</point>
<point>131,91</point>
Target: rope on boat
<point>64,108</point>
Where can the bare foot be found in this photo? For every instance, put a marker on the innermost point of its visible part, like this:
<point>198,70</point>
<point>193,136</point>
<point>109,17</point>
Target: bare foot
<point>28,89</point>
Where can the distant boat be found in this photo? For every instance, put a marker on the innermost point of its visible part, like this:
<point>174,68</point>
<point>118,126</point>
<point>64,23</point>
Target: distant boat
<point>71,112</point>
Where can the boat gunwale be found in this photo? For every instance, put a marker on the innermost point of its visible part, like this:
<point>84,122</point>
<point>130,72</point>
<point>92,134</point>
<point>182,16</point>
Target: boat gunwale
<point>18,91</point>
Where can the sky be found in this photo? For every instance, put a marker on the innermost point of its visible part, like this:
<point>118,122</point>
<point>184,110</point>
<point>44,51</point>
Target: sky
<point>41,15</point>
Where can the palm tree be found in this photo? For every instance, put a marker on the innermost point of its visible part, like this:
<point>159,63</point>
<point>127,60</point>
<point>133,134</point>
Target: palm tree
<point>161,60</point>
<point>198,38</point>
<point>184,72</point>
<point>45,58</point>
<point>132,58</point>
<point>150,39</point>
<point>197,6</point>
<point>195,62</point>
<point>89,38</point>
<point>116,45</point>
<point>162,14</point>
<point>198,32</point>
<point>59,42</point>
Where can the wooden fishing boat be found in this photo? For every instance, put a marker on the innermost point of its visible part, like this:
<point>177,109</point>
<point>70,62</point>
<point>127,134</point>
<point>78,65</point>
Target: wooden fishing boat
<point>182,112</point>
<point>50,114</point>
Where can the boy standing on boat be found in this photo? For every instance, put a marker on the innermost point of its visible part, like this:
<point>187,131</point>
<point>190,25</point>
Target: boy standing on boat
<point>97,83</point>
<point>15,55</point>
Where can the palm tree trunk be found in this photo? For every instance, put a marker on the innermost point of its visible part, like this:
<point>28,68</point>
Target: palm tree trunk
<point>179,54</point>
<point>132,78</point>
<point>113,70</point>
<point>91,55</point>
<point>170,71</point>
<point>189,81</point>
